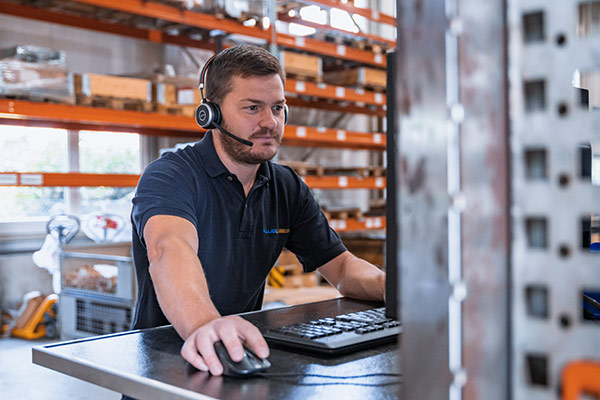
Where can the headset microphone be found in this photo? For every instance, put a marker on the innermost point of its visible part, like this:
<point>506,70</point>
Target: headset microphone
<point>231,135</point>
<point>208,114</point>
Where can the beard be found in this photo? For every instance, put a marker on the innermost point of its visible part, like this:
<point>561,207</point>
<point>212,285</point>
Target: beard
<point>246,154</point>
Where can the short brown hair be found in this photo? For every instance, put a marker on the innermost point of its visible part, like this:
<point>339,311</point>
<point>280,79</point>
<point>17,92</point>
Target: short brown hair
<point>243,61</point>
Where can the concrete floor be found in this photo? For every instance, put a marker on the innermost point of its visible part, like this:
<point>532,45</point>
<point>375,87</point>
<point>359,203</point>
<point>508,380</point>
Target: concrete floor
<point>21,379</point>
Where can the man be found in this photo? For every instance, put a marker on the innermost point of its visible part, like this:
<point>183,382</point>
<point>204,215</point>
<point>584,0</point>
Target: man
<point>210,220</point>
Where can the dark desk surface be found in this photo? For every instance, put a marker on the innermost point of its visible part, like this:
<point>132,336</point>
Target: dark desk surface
<point>146,364</point>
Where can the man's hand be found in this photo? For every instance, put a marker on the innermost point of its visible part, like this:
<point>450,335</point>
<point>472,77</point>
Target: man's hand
<point>199,350</point>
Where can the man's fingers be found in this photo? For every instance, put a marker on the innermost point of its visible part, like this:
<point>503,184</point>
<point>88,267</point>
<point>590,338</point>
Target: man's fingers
<point>190,354</point>
<point>233,344</point>
<point>205,346</point>
<point>254,339</point>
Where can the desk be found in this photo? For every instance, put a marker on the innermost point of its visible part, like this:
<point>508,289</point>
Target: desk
<point>146,364</point>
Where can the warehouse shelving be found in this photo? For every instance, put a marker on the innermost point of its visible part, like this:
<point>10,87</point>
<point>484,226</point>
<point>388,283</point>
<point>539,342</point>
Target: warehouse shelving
<point>308,94</point>
<point>378,39</point>
<point>205,21</point>
<point>373,15</point>
<point>78,179</point>
<point>333,92</point>
<point>153,35</point>
<point>21,112</point>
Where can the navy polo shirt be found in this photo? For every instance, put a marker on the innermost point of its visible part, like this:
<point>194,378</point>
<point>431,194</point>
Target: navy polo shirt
<point>239,237</point>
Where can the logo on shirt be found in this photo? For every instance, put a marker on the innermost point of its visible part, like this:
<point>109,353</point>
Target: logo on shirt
<point>275,231</point>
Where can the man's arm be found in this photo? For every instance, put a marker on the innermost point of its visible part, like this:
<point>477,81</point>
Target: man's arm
<point>355,277</point>
<point>182,293</point>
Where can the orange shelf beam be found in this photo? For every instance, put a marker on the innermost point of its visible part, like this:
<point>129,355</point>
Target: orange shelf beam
<point>365,12</point>
<point>77,179</point>
<point>152,35</point>
<point>304,135</point>
<point>73,179</point>
<point>339,93</point>
<point>331,49</point>
<point>296,20</point>
<point>344,182</point>
<point>174,14</point>
<point>353,224</point>
<point>20,112</point>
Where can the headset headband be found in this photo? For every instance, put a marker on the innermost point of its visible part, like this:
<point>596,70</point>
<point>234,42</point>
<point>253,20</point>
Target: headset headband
<point>202,77</point>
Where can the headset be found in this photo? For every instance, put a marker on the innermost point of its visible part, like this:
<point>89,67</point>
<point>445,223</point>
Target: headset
<point>209,116</point>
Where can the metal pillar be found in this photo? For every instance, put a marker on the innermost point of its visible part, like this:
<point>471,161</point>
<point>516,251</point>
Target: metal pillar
<point>453,199</point>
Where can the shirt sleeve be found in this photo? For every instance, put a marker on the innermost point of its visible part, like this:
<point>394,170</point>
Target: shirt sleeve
<point>311,238</point>
<point>165,188</point>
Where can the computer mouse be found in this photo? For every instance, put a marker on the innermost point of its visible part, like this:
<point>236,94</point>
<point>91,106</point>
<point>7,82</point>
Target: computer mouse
<point>248,366</point>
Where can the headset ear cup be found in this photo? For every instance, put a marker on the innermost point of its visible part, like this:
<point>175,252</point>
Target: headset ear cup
<point>207,114</point>
<point>286,112</point>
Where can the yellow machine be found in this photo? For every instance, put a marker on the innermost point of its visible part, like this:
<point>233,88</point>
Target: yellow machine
<point>38,318</point>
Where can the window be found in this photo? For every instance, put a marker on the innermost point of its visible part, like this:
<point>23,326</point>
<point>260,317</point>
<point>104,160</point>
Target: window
<point>28,149</point>
<point>32,150</point>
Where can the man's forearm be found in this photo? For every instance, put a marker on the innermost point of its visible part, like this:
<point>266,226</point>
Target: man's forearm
<point>181,288</point>
<point>362,280</point>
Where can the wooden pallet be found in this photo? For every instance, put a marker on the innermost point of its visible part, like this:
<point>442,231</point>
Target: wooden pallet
<point>114,103</point>
<point>342,213</point>
<point>369,249</point>
<point>369,171</point>
<point>351,41</point>
<point>40,98</point>
<point>304,168</point>
<point>176,109</point>
<point>366,78</point>
<point>377,207</point>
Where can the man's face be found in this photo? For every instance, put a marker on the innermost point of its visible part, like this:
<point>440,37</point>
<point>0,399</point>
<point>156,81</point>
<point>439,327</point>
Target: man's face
<point>253,110</point>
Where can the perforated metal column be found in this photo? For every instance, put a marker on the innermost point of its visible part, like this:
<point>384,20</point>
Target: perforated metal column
<point>554,45</point>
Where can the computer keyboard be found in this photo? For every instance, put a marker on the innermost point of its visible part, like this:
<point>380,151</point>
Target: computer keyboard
<point>336,335</point>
